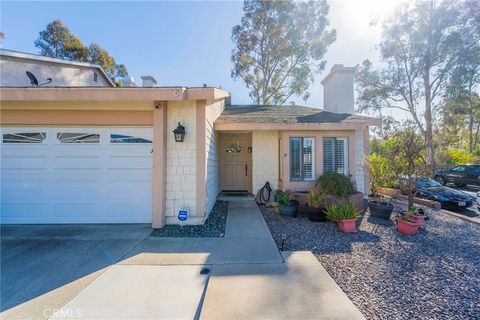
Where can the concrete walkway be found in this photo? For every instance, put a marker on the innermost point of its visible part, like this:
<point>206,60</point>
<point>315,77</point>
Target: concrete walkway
<point>247,240</point>
<point>239,276</point>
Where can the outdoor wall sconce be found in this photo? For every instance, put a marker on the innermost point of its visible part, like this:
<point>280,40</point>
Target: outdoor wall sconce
<point>249,149</point>
<point>179,133</point>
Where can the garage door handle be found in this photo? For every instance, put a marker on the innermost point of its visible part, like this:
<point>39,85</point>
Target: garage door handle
<point>246,170</point>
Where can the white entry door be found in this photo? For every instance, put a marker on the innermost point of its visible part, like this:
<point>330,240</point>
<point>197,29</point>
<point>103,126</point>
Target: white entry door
<point>76,175</point>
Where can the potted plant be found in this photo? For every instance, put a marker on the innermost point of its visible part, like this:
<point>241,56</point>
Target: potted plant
<point>417,216</point>
<point>406,224</point>
<point>287,207</point>
<point>380,174</point>
<point>315,207</point>
<point>345,214</point>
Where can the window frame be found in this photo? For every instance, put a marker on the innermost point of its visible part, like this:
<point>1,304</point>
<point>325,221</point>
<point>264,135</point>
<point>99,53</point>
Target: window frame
<point>59,133</point>
<point>302,159</point>
<point>19,133</point>
<point>334,160</point>
<point>458,167</point>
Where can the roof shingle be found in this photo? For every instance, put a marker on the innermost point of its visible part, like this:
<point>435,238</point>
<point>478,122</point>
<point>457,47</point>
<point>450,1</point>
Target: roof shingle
<point>285,114</point>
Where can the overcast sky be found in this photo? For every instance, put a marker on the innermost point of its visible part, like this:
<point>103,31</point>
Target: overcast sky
<point>184,43</point>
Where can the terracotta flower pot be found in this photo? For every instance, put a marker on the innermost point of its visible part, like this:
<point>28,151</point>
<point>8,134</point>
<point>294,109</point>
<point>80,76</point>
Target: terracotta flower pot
<point>347,226</point>
<point>407,228</point>
<point>418,219</point>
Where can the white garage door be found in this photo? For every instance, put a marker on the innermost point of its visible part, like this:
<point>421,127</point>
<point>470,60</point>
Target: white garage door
<point>76,175</point>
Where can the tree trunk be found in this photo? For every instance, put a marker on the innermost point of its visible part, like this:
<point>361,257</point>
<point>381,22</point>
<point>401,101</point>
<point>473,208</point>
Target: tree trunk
<point>428,123</point>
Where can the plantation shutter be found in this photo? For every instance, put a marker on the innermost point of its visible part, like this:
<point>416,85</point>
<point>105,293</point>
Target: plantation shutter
<point>328,154</point>
<point>340,156</point>
<point>335,155</point>
<point>308,158</point>
<point>295,159</point>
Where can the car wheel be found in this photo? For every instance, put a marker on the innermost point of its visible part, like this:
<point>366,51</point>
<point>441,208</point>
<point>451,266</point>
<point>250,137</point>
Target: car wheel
<point>440,180</point>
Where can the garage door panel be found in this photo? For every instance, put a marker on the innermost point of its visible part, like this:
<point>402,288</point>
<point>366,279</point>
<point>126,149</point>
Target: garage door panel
<point>21,163</point>
<point>24,212</point>
<point>78,163</point>
<point>134,163</point>
<point>55,182</point>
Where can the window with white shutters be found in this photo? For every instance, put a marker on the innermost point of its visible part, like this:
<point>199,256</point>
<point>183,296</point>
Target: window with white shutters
<point>335,155</point>
<point>302,159</point>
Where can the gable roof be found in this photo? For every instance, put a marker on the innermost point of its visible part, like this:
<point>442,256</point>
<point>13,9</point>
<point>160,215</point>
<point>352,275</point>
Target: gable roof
<point>31,56</point>
<point>288,114</point>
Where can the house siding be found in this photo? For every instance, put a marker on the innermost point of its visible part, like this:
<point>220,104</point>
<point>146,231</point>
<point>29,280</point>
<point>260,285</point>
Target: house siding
<point>359,174</point>
<point>265,159</point>
<point>212,178</point>
<point>181,166</point>
<point>63,75</point>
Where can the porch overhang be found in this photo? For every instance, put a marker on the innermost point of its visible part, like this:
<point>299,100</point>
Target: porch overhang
<point>111,94</point>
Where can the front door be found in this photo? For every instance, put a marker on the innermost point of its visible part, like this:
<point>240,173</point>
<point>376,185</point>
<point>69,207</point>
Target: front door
<point>235,157</point>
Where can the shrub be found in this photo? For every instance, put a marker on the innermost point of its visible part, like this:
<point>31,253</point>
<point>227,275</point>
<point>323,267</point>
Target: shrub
<point>336,184</point>
<point>457,156</point>
<point>382,174</point>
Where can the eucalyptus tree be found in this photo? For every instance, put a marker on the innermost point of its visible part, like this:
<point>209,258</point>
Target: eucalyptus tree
<point>58,42</point>
<point>420,46</point>
<point>279,47</point>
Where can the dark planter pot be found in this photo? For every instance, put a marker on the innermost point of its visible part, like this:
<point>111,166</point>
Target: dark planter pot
<point>316,214</point>
<point>380,210</point>
<point>289,210</point>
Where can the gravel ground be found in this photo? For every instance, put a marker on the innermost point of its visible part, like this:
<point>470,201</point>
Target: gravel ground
<point>432,275</point>
<point>213,227</point>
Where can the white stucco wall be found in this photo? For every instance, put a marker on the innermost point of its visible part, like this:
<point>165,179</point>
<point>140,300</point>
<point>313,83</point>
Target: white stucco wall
<point>264,159</point>
<point>13,73</point>
<point>359,171</point>
<point>181,161</point>
<point>212,180</point>
<point>338,90</point>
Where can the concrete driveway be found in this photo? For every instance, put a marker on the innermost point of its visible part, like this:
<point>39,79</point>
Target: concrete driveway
<point>119,272</point>
<point>44,266</point>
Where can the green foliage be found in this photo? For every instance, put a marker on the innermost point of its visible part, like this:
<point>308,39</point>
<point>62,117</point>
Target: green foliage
<point>457,156</point>
<point>281,197</point>
<point>343,211</point>
<point>99,56</point>
<point>382,173</point>
<point>422,43</point>
<point>408,158</point>
<point>316,198</point>
<point>58,42</point>
<point>336,184</point>
<point>279,48</point>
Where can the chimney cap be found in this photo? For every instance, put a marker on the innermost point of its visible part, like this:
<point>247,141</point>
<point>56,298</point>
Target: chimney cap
<point>337,68</point>
<point>149,79</point>
<point>128,81</point>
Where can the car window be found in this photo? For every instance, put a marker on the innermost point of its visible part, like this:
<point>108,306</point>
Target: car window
<point>428,183</point>
<point>474,169</point>
<point>459,169</point>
